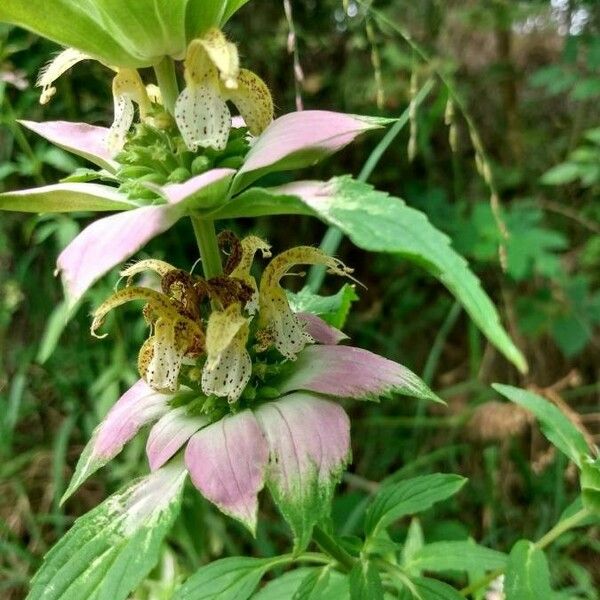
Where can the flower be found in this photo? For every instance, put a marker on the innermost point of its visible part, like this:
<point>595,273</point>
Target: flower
<point>281,373</point>
<point>213,76</point>
<point>128,34</point>
<point>290,142</point>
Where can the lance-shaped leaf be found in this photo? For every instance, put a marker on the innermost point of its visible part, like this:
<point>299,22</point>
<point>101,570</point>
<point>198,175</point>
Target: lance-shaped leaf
<point>432,589</point>
<point>555,425</point>
<point>348,372</point>
<point>170,433</point>
<point>456,556</point>
<point>301,139</point>
<point>137,407</point>
<point>110,550</point>
<point>290,583</point>
<point>227,579</point>
<point>309,446</point>
<point>109,242</point>
<point>377,222</point>
<point>87,141</point>
<point>590,484</point>
<point>365,581</point>
<point>408,497</point>
<point>66,197</point>
<point>227,462</point>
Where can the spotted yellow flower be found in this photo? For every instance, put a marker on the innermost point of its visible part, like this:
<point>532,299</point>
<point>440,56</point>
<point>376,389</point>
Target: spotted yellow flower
<point>213,77</point>
<point>282,327</point>
<point>176,330</point>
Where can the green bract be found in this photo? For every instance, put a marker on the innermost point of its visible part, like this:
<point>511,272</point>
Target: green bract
<point>121,33</point>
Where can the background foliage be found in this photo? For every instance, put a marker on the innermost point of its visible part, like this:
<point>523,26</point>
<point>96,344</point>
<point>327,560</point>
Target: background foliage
<point>529,73</point>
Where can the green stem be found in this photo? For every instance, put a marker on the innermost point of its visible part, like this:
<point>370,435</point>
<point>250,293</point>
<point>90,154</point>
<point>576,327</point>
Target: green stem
<point>560,528</point>
<point>332,548</point>
<point>208,246</point>
<point>439,343</point>
<point>167,82</point>
<point>333,237</point>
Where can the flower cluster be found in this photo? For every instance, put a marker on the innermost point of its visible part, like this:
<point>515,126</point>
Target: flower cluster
<point>246,385</point>
<point>231,378</point>
<point>213,77</point>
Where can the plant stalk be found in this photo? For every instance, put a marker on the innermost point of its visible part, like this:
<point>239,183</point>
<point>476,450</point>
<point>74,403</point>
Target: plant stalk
<point>332,548</point>
<point>167,82</point>
<point>206,238</point>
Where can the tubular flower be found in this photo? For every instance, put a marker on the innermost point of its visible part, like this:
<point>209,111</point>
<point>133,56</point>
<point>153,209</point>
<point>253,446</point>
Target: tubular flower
<point>213,76</point>
<point>281,425</point>
<point>228,364</point>
<point>281,326</point>
<point>127,87</point>
<point>175,332</point>
<point>249,247</point>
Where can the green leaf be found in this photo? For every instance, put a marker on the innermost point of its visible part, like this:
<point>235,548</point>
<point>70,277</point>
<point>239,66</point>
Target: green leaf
<point>431,589</point>
<point>66,197</point>
<point>561,174</point>
<point>408,497</point>
<point>333,309</point>
<point>57,321</point>
<point>527,575</point>
<point>590,484</point>
<point>553,423</point>
<point>72,24</point>
<point>314,585</point>
<point>123,34</point>
<point>365,582</point>
<point>232,6</point>
<point>377,222</point>
<point>457,556</point>
<point>413,543</point>
<point>110,550</point>
<point>227,579</point>
<point>287,585</point>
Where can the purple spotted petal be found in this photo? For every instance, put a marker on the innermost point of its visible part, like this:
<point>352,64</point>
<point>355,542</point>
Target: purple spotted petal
<point>201,191</point>
<point>300,139</point>
<point>309,446</point>
<point>108,242</point>
<point>87,141</point>
<point>347,372</point>
<point>137,407</point>
<point>227,462</point>
<point>169,434</point>
<point>320,330</point>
